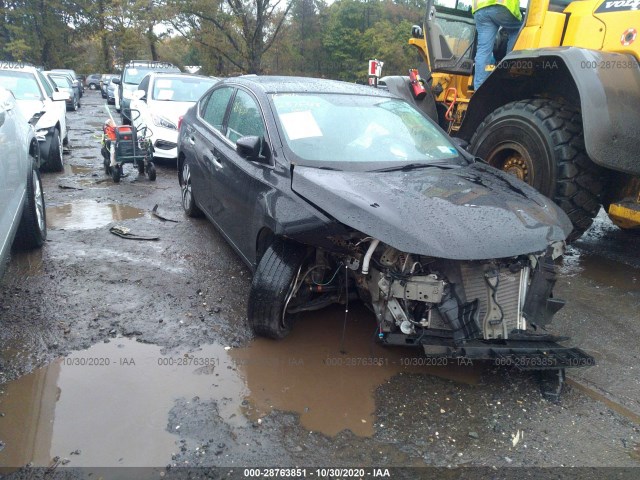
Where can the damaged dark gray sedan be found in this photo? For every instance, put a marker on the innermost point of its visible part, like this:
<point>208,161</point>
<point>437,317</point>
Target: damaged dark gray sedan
<point>332,191</point>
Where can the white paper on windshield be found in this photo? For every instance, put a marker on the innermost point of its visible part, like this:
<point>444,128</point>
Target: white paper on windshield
<point>165,94</point>
<point>163,83</point>
<point>300,125</point>
<point>444,149</point>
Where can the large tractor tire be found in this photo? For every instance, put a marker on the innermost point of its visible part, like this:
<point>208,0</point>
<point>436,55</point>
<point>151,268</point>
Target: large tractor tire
<point>272,288</point>
<point>541,142</point>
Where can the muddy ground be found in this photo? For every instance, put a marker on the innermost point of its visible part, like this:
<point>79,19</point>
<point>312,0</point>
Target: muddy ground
<point>138,353</point>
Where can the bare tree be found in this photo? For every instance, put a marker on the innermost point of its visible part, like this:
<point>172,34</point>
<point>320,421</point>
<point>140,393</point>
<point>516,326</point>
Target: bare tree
<point>240,31</point>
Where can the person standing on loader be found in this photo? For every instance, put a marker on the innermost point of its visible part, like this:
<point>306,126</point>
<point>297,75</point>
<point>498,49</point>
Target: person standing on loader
<point>489,16</point>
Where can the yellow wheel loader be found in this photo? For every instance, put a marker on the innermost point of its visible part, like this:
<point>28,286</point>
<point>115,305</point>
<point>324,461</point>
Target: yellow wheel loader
<point>561,111</point>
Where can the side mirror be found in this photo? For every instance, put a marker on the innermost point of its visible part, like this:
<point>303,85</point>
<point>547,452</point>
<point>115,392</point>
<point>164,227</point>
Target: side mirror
<point>140,95</point>
<point>60,96</point>
<point>249,147</point>
<point>116,81</point>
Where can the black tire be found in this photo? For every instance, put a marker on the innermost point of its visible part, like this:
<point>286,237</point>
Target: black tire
<point>187,196</point>
<point>151,171</point>
<point>116,173</point>
<point>272,283</point>
<point>54,161</point>
<point>541,142</point>
<point>32,231</point>
<point>76,104</point>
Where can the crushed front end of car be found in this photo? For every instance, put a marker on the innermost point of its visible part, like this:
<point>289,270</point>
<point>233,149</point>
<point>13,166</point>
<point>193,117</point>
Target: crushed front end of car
<point>461,264</point>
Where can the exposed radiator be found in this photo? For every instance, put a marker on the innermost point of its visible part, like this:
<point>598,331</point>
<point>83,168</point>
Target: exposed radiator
<point>497,318</point>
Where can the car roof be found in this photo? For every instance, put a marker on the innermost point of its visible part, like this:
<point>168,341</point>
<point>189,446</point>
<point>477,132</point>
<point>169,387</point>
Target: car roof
<point>17,67</point>
<point>283,84</point>
<point>137,63</point>
<point>179,74</point>
<point>59,73</point>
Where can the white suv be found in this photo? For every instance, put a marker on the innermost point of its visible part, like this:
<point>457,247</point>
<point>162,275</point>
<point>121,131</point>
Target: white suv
<point>35,94</point>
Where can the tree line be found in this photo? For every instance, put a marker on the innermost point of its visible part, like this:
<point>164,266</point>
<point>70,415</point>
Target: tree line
<point>224,37</point>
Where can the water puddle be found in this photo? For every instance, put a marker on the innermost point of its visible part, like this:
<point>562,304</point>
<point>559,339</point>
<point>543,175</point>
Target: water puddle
<point>306,372</point>
<point>112,401</point>
<point>601,270</point>
<point>88,214</point>
<point>76,169</point>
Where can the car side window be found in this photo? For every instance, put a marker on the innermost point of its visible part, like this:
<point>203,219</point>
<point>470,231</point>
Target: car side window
<point>245,118</point>
<point>216,107</point>
<point>45,83</point>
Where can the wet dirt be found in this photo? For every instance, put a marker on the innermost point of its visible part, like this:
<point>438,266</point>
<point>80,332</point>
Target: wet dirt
<point>300,401</point>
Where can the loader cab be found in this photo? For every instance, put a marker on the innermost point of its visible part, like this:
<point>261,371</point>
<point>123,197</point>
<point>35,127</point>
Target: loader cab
<point>450,36</point>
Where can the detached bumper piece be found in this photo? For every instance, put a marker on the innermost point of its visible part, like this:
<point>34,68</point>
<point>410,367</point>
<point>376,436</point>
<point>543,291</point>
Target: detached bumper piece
<point>536,353</point>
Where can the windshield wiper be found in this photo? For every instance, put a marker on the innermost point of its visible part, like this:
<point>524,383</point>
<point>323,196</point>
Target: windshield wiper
<point>414,166</point>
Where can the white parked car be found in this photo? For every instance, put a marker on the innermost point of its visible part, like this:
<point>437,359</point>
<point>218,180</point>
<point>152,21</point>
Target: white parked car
<point>34,93</point>
<point>22,212</point>
<point>161,99</point>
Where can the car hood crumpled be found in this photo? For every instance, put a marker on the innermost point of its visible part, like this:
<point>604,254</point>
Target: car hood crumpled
<point>470,213</point>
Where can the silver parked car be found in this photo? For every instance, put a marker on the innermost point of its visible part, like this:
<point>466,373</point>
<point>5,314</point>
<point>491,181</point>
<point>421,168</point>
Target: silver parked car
<point>22,212</point>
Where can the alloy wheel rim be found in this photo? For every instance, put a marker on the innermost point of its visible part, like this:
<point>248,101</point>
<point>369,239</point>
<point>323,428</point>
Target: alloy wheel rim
<point>61,150</point>
<point>39,202</point>
<point>186,187</point>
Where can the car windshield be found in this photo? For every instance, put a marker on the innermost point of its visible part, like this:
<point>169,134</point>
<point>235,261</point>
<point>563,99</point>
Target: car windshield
<point>23,85</point>
<point>61,82</point>
<point>133,75</point>
<point>181,89</point>
<point>340,131</point>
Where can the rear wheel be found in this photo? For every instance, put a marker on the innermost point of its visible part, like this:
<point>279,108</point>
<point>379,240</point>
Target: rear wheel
<point>541,142</point>
<point>273,288</point>
<point>32,231</point>
<point>151,171</point>
<point>188,201</point>
<point>116,173</point>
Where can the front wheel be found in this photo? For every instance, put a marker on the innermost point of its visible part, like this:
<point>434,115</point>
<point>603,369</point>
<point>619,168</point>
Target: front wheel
<point>541,142</point>
<point>273,288</point>
<point>55,162</point>
<point>32,231</point>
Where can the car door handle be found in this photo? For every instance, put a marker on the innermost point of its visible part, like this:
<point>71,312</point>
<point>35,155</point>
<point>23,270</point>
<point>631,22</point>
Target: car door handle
<point>192,140</point>
<point>216,159</point>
